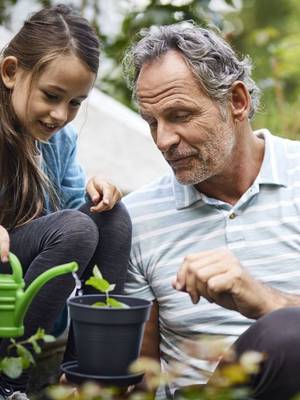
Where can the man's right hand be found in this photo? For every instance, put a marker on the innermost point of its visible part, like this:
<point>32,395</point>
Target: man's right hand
<point>218,276</point>
<point>4,244</point>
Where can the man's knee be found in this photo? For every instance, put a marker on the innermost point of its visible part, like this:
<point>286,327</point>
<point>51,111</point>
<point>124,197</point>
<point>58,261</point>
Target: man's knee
<point>277,336</point>
<point>275,332</point>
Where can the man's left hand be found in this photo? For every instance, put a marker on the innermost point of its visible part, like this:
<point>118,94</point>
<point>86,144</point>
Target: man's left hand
<point>103,194</point>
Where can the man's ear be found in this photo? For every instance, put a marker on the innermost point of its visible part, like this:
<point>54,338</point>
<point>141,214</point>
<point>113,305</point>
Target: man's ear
<point>240,101</point>
<point>8,71</point>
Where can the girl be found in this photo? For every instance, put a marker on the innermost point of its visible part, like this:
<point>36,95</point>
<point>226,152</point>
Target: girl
<point>46,71</point>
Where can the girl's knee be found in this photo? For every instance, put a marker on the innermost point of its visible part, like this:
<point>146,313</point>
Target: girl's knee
<point>116,221</point>
<point>77,228</point>
<point>120,218</point>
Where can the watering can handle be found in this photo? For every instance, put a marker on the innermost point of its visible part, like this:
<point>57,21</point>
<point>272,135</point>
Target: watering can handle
<point>16,268</point>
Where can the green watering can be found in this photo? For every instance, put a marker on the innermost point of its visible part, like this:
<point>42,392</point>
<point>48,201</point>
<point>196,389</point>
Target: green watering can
<point>14,302</point>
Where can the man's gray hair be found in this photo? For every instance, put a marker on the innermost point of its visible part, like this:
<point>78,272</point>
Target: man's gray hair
<point>212,60</point>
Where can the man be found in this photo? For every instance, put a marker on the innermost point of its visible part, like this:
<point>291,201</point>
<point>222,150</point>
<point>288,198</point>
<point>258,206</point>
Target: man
<point>224,226</point>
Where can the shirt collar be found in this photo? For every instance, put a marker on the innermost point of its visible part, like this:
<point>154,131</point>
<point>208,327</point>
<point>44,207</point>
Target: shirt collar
<point>185,195</point>
<point>273,171</point>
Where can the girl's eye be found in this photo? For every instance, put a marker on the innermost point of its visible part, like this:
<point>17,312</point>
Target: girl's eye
<point>51,96</point>
<point>75,103</point>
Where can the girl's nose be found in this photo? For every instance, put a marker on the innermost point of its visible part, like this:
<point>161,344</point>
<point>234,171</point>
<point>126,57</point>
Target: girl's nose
<point>59,113</point>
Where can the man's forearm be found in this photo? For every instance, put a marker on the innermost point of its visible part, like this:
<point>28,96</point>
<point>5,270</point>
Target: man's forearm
<point>277,299</point>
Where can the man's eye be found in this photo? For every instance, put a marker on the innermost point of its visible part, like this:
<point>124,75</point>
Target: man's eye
<point>182,116</point>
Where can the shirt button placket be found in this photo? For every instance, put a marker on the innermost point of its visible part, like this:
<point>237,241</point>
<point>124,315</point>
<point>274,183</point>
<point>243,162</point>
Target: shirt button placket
<point>233,235</point>
<point>232,215</point>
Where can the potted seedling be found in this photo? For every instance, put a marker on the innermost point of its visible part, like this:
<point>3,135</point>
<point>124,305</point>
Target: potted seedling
<point>108,334</point>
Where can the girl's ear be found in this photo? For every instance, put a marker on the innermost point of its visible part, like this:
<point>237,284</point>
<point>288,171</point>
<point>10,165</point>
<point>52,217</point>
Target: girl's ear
<point>8,71</point>
<point>240,101</point>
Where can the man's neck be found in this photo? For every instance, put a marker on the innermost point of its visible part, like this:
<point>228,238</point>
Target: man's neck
<point>239,174</point>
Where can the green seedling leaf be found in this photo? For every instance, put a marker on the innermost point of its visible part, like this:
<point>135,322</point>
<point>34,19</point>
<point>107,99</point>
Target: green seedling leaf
<point>113,303</point>
<point>12,367</point>
<point>99,304</point>
<point>100,284</point>
<point>97,273</point>
<point>25,355</point>
<point>111,287</point>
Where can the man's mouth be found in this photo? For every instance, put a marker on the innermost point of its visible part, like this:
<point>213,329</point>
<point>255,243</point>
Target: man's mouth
<point>179,162</point>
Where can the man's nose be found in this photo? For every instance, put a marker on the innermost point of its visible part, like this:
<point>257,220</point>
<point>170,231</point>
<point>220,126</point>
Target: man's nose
<point>59,113</point>
<point>166,137</point>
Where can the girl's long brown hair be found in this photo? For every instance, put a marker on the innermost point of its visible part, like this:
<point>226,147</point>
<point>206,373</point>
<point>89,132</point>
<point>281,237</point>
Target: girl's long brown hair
<point>47,34</point>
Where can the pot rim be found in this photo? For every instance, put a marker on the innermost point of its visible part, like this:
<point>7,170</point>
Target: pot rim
<point>75,301</point>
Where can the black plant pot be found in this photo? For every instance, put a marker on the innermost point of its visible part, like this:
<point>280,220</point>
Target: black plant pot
<point>107,340</point>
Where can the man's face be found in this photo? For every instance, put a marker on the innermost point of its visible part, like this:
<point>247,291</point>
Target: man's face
<point>185,123</point>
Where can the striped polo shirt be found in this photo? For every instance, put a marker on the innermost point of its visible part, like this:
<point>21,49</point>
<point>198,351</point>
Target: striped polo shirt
<point>262,229</point>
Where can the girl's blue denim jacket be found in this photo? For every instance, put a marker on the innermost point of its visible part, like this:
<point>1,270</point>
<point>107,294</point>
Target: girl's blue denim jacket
<point>59,161</point>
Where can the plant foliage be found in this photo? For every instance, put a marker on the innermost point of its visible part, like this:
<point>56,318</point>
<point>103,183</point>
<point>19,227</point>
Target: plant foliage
<point>103,286</point>
<point>12,366</point>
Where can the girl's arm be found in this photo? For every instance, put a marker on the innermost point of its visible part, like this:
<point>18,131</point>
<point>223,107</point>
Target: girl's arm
<point>4,244</point>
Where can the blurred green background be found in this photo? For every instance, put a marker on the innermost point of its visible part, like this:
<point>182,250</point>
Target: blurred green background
<point>267,30</point>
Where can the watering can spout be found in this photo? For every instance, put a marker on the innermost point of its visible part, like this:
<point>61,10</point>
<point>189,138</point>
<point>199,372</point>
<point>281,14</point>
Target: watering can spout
<point>26,297</point>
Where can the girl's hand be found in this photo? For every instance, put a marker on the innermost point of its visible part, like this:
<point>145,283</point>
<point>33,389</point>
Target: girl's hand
<point>4,244</point>
<point>103,194</point>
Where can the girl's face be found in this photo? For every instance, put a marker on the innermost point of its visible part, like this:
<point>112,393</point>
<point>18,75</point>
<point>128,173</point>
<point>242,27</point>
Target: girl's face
<point>53,99</point>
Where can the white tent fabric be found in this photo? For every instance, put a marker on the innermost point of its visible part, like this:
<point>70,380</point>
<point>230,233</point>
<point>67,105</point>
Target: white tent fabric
<point>114,141</point>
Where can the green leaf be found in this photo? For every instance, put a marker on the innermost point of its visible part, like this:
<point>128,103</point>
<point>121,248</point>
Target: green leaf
<point>49,338</point>
<point>99,304</point>
<point>111,287</point>
<point>100,284</point>
<point>36,346</point>
<point>39,334</point>
<point>116,304</point>
<point>12,367</point>
<point>25,355</point>
<point>97,273</point>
